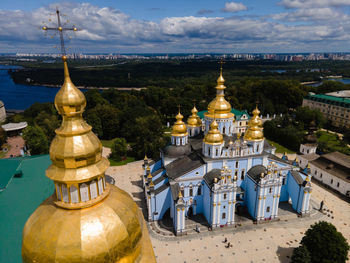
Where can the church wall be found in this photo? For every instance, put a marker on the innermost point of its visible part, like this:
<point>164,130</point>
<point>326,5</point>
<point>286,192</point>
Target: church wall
<point>207,203</point>
<point>284,196</point>
<point>295,193</point>
<point>162,203</point>
<point>251,197</point>
<point>257,161</point>
<point>268,203</point>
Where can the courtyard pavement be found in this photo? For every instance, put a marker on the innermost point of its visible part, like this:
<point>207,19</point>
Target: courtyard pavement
<point>268,242</point>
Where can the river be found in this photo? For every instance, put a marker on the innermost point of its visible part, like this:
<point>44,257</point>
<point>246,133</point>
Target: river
<point>20,97</point>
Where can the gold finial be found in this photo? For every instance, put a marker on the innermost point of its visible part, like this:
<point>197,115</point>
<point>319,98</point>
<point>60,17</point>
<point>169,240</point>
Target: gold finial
<point>180,194</point>
<point>307,179</point>
<point>151,184</point>
<point>221,79</point>
<point>145,158</point>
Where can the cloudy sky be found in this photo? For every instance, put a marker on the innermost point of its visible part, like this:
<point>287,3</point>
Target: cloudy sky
<point>164,26</point>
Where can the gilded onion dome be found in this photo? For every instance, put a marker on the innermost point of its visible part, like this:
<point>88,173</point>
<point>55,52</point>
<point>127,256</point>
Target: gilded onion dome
<point>179,127</point>
<point>86,219</point>
<point>255,130</point>
<point>219,106</point>
<point>214,136</point>
<point>194,120</point>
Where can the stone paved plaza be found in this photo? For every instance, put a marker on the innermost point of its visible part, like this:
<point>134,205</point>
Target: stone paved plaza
<point>269,242</point>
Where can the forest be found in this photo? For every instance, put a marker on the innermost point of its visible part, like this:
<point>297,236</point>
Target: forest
<point>140,116</point>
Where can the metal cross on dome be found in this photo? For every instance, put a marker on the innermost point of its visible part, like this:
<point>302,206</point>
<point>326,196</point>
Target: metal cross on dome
<point>221,62</point>
<point>60,29</point>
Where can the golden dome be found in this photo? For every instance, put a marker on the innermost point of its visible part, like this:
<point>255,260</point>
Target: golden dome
<point>86,219</point>
<point>194,120</point>
<point>111,231</point>
<point>214,136</point>
<point>255,130</point>
<point>219,107</point>
<point>179,127</point>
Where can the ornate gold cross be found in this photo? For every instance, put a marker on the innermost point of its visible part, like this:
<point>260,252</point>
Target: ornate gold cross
<point>60,29</point>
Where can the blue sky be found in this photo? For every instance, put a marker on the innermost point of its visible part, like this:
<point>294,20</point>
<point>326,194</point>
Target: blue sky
<point>154,26</point>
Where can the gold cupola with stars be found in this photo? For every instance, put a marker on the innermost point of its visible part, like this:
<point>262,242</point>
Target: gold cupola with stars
<point>86,219</point>
<point>214,137</point>
<point>194,120</point>
<point>255,130</point>
<point>219,106</point>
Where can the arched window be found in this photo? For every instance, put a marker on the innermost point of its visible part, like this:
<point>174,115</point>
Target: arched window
<point>223,215</point>
<point>208,150</point>
<point>223,130</point>
<point>217,152</point>
<point>242,175</point>
<point>191,190</point>
<point>257,147</point>
<point>199,191</point>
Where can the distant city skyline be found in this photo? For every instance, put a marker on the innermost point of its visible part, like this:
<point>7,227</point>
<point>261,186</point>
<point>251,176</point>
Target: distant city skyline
<point>155,26</point>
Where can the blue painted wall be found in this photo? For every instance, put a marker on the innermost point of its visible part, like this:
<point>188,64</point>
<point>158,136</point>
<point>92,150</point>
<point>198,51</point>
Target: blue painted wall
<point>251,196</point>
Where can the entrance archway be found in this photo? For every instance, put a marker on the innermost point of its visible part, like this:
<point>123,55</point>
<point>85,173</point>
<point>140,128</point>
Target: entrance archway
<point>190,212</point>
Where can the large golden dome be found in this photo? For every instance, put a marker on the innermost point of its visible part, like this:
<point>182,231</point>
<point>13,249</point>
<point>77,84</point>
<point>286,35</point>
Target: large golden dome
<point>86,219</point>
<point>194,120</point>
<point>110,231</point>
<point>214,136</point>
<point>219,107</point>
<point>179,127</point>
<point>255,130</point>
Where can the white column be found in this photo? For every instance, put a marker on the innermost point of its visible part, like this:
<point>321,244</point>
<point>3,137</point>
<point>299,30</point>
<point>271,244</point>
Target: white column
<point>278,199</point>
<point>214,213</point>
<point>249,163</point>
<point>183,218</point>
<point>229,207</point>
<point>149,208</point>
<point>263,205</point>
<point>303,204</point>
<point>218,214</point>
<point>178,219</point>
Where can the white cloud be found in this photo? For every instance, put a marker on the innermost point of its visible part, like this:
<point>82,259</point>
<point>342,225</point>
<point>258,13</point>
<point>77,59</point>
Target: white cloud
<point>311,14</point>
<point>110,30</point>
<point>313,3</point>
<point>233,7</point>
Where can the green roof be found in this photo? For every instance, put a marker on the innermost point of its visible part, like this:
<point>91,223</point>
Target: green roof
<point>21,197</point>
<point>238,114</point>
<point>338,101</point>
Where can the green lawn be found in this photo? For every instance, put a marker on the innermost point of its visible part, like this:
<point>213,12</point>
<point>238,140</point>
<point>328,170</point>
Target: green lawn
<point>107,143</point>
<point>329,142</point>
<point>280,148</point>
<point>123,162</point>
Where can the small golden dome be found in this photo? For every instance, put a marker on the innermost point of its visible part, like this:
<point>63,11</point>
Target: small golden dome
<point>179,127</point>
<point>194,120</point>
<point>219,107</point>
<point>255,130</point>
<point>214,136</point>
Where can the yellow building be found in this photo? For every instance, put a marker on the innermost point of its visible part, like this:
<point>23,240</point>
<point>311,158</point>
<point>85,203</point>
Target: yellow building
<point>334,106</point>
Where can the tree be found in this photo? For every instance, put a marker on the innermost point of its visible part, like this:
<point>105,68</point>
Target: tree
<point>3,137</point>
<point>301,255</point>
<point>149,137</point>
<point>119,149</point>
<point>36,140</point>
<point>325,243</point>
<point>48,123</point>
<point>346,137</point>
<point>305,115</point>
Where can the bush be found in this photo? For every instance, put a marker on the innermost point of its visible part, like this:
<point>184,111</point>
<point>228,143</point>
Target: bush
<point>119,149</point>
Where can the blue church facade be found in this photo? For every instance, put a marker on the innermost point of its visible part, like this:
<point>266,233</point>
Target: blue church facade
<point>211,168</point>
